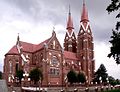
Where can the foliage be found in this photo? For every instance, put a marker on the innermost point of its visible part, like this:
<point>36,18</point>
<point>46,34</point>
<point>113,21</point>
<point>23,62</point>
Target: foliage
<point>114,6</point>
<point>19,75</point>
<point>81,77</point>
<point>117,81</point>
<point>72,76</point>
<point>35,75</point>
<point>114,90</point>
<point>115,48</point>
<point>101,72</point>
<point>112,81</point>
<point>0,75</point>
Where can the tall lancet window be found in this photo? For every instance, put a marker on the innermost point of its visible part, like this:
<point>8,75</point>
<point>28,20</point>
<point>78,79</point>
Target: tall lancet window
<point>54,44</point>
<point>10,66</point>
<point>17,65</point>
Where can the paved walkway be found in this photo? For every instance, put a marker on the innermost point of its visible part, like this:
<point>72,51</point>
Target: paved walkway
<point>58,89</point>
<point>3,86</point>
<point>70,89</point>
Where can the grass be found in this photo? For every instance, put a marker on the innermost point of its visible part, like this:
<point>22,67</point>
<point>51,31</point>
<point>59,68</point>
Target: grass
<point>114,90</point>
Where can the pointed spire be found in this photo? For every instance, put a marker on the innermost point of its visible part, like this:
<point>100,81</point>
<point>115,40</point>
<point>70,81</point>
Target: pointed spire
<point>53,33</point>
<point>69,10</point>
<point>84,15</point>
<point>18,39</point>
<point>18,44</point>
<point>69,22</point>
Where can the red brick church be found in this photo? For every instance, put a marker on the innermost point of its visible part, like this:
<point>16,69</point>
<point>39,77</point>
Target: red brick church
<point>55,61</point>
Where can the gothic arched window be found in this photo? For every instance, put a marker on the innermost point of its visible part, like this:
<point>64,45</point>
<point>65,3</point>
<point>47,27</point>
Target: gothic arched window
<point>54,61</point>
<point>17,65</point>
<point>54,69</point>
<point>41,57</point>
<point>10,66</point>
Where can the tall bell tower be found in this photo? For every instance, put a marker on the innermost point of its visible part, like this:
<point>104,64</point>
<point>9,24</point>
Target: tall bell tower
<point>85,51</point>
<point>70,39</point>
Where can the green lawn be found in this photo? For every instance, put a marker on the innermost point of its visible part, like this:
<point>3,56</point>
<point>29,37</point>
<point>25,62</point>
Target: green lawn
<point>115,90</point>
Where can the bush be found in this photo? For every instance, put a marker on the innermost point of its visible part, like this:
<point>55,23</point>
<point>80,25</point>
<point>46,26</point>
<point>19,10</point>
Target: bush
<point>81,77</point>
<point>0,75</point>
<point>72,77</point>
<point>35,75</point>
<point>115,90</point>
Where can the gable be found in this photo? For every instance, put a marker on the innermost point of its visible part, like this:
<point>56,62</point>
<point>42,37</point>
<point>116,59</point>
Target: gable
<point>27,47</point>
<point>51,42</point>
<point>54,43</point>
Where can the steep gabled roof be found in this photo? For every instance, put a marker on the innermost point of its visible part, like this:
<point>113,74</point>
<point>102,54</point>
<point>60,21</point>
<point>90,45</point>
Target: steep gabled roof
<point>70,55</point>
<point>40,46</point>
<point>13,50</point>
<point>28,47</point>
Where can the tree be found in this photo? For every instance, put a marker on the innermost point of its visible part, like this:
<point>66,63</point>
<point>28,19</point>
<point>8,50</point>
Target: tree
<point>115,38</point>
<point>117,81</point>
<point>19,75</point>
<point>101,73</point>
<point>36,75</point>
<point>0,75</point>
<point>81,77</point>
<point>72,76</point>
<point>112,80</point>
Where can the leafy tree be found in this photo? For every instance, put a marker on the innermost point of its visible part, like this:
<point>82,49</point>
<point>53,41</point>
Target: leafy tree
<point>72,76</point>
<point>112,80</point>
<point>117,81</point>
<point>0,75</point>
<point>81,77</point>
<point>114,6</point>
<point>19,75</point>
<point>35,75</point>
<point>101,72</point>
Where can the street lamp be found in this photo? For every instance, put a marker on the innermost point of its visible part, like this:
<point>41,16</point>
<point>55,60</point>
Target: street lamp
<point>66,81</point>
<point>107,80</point>
<point>87,81</point>
<point>96,88</point>
<point>86,89</point>
<point>49,84</point>
<point>107,87</point>
<point>40,84</point>
<point>22,81</point>
<point>12,81</point>
<point>100,79</point>
<point>29,81</point>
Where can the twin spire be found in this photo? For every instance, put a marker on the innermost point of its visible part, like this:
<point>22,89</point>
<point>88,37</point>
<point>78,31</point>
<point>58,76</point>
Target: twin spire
<point>84,17</point>
<point>70,22</point>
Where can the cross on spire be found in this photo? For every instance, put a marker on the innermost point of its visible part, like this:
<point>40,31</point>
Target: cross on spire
<point>83,1</point>
<point>69,10</point>
<point>69,22</point>
<point>53,28</point>
<point>18,38</point>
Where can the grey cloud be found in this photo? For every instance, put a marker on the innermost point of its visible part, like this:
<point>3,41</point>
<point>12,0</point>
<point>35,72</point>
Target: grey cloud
<point>57,12</point>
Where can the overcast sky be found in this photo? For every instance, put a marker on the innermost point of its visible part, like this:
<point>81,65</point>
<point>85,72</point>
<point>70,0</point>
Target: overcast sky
<point>34,21</point>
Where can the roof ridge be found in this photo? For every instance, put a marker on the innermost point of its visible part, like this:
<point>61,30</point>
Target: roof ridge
<point>29,47</point>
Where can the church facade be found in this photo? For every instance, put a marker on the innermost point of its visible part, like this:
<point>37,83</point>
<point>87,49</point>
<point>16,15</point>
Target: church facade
<point>53,60</point>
